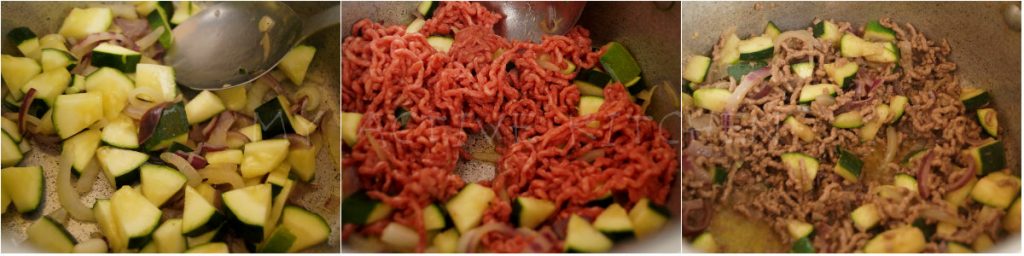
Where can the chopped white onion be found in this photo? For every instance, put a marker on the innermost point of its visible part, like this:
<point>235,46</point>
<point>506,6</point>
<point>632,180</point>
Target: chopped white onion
<point>150,39</point>
<point>749,81</point>
<point>88,177</point>
<point>68,197</point>
<point>184,167</point>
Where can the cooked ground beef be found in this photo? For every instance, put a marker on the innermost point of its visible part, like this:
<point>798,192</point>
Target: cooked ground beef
<point>747,144</point>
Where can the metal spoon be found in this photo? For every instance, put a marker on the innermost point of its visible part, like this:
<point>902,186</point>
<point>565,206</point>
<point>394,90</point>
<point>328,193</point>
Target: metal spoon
<point>528,21</point>
<point>223,45</point>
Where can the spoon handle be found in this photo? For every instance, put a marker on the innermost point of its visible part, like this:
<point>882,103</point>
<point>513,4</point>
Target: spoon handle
<point>329,17</point>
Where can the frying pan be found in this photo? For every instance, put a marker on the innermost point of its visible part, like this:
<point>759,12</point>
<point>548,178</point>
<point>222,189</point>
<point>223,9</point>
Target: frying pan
<point>649,30</point>
<point>322,198</point>
<point>985,46</point>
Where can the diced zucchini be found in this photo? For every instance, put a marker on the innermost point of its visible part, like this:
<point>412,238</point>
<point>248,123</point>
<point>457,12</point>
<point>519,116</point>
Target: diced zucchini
<point>158,78</point>
<point>954,247</point>
<point>988,120</point>
<point>603,201</point>
<point>811,92</point>
<point>740,69</point>
<point>296,62</point>
<point>279,241</point>
<point>234,98</point>
<point>851,46</point>
<point>309,228</point>
<point>897,105</point>
<point>719,175</point>
<point>262,156</point>
<point>802,245</point>
<point>590,105</point>
<point>117,57</point>
<point>799,229</point>
<point>730,51</point>
<point>168,237</point>
<point>83,22</point>
<point>84,146</point>
<point>988,157</point>
<point>1011,221</point>
<point>906,181</point>
<point>12,155</point>
<point>361,209</point>
<point>17,71</point>
<point>433,218</point>
<point>400,237</point>
<point>799,129</point>
<point>230,156</point>
<point>982,243</point>
<point>889,53</point>
<point>771,30</point>
<point>849,165</point>
<point>94,245</point>
<point>697,67</point>
<point>705,243</point>
<point>26,41</point>
<point>647,217</point>
<point>48,85</point>
<point>905,239</point>
<point>620,64</point>
<point>712,99</point>
<point>57,59</point>
<point>580,236</point>
<point>136,217</point>
<point>105,220</point>
<point>247,210</point>
<point>874,31</point>
<point>11,128</point>
<point>427,8</point>
<point>415,26</point>
<point>974,98</point>
<point>870,129</point>
<point>848,120</point>
<point>183,11</point>
<point>529,212</point>
<point>303,162</point>
<point>172,127</point>
<point>121,166</point>
<point>25,186</point>
<point>203,107</point>
<point>350,127</point>
<point>217,247</point>
<point>803,69</point>
<point>614,223</point>
<point>441,43</point>
<point>467,207</point>
<point>160,17</point>
<point>756,48</point>
<point>802,168</point>
<point>958,197</point>
<point>122,133</point>
<point>274,117</point>
<point>199,216</point>
<point>865,217</point>
<point>447,241</point>
<point>997,189</point>
<point>841,75</point>
<point>686,101</point>
<point>827,31</point>
<point>115,88</point>
<point>77,84</point>
<point>160,183</point>
<point>53,41</point>
<point>50,236</point>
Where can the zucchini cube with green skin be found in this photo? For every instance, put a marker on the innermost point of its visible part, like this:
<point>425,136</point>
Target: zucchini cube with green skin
<point>756,48</point>
<point>799,129</point>
<point>841,74</point>
<point>49,235</point>
<point>350,127</point>
<point>82,22</point>
<point>260,157</point>
<point>771,30</point>
<point>447,241</point>
<point>309,228</point>
<point>620,64</point>
<point>168,238</point>
<point>803,69</point>
<point>740,69</point>
<point>399,237</point>
<point>711,99</point>
<point>16,71</point>
<point>974,98</point>
<point>434,218</point>
<point>26,41</point>
<point>274,117</point>
<point>906,239</point>
<point>730,52</point>
<point>467,207</point>
<point>614,223</point>
<point>120,165</point>
<point>160,183</point>
<point>580,236</point>
<point>988,121</point>
<point>25,187</point>
<point>84,145</point>
<point>115,87</point>
<point>874,31</point>
<point>172,127</point>
<point>361,209</point>
<point>199,216</point>
<point>12,154</point>
<point>121,132</point>
<point>105,221</point>
<point>996,189</point>
<point>247,210</point>
<point>705,243</point>
<point>870,130</point>
<point>906,181</point>
<point>849,165</point>
<point>48,85</point>
<point>697,67</point>
<point>811,92</point>
<point>427,8</point>
<point>802,168</point>
<point>134,216</point>
<point>279,241</point>
<point>647,217</point>
<point>57,59</point>
<point>117,57</point>
<point>203,107</point>
<point>296,62</point>
<point>865,217</point>
<point>848,120</point>
<point>851,46</point>
<point>160,18</point>
<point>590,105</point>
<point>799,229</point>
<point>159,79</point>
<point>988,157</point>
<point>897,105</point>
<point>827,31</point>
<point>802,245</point>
